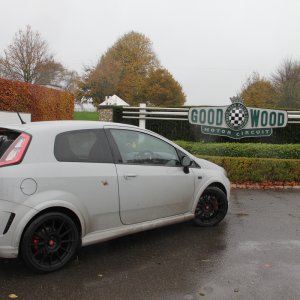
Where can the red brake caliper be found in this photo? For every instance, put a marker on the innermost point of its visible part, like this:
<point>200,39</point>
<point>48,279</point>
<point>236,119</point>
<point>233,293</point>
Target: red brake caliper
<point>35,242</point>
<point>215,204</point>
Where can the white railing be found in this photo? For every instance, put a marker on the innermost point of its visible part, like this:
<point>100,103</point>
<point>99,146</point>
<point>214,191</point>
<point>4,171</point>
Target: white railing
<point>143,113</point>
<point>293,117</point>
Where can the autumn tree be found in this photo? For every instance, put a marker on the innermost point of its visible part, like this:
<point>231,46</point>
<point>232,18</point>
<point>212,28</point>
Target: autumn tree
<point>101,80</point>
<point>28,59</point>
<point>162,89</point>
<point>257,91</point>
<point>286,81</point>
<point>124,70</point>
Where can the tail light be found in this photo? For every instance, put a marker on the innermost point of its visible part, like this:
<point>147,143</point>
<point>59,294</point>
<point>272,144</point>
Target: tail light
<point>16,151</point>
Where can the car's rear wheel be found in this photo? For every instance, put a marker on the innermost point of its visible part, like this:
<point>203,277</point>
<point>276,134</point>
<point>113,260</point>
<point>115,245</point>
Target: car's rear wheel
<point>211,208</point>
<point>49,242</point>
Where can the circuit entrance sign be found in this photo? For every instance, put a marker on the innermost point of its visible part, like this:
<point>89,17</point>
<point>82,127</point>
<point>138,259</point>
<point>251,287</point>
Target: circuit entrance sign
<point>237,121</point>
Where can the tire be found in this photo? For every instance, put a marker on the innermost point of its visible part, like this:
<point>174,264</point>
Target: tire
<point>49,242</point>
<point>211,208</point>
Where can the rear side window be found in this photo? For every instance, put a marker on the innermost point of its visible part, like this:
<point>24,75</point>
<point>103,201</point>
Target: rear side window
<point>88,146</point>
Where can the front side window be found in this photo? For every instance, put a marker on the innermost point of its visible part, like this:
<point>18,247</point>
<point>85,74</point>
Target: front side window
<point>82,146</point>
<point>140,148</point>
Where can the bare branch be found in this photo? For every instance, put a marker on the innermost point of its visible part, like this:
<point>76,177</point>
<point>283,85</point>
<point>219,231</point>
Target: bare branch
<point>286,80</point>
<point>24,56</point>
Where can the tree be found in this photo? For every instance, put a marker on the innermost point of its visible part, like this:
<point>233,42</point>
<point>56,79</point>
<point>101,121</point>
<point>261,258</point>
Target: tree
<point>28,59</point>
<point>55,74</point>
<point>49,73</point>
<point>162,89</point>
<point>286,81</point>
<point>70,81</point>
<point>100,81</point>
<point>124,70</point>
<point>259,92</point>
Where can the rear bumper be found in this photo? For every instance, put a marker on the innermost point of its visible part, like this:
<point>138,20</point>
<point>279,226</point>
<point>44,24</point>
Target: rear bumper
<point>8,252</point>
<point>11,228</point>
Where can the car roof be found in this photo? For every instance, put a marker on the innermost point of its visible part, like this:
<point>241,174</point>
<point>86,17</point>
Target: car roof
<point>62,125</point>
<point>65,125</point>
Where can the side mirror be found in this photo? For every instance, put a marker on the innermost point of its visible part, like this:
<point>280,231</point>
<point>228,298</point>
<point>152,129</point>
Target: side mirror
<point>186,162</point>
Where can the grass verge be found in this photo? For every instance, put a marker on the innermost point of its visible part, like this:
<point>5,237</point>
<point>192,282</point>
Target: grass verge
<point>85,115</point>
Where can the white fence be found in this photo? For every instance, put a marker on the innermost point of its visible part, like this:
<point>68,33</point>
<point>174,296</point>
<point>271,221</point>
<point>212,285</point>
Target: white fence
<point>293,117</point>
<point>89,107</point>
<point>143,113</point>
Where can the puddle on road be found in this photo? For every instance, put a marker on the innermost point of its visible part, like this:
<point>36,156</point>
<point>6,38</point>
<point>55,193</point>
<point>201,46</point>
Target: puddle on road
<point>269,245</point>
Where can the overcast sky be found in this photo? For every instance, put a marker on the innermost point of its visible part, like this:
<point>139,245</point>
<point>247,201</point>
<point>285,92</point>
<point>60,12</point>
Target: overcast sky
<point>209,46</point>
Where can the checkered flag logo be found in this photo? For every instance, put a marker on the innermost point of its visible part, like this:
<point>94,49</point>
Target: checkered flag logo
<point>236,116</point>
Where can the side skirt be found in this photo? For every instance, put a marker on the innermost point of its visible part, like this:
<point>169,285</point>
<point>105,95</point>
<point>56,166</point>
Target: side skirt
<point>105,235</point>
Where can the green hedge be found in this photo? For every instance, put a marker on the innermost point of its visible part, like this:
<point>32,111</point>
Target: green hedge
<point>258,169</point>
<point>287,151</point>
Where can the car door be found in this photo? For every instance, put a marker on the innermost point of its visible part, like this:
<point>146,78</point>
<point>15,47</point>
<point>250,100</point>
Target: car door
<point>85,170</point>
<point>152,183</point>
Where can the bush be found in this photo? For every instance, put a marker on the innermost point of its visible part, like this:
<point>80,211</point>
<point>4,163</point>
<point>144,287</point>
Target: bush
<point>43,103</point>
<point>287,151</point>
<point>258,169</point>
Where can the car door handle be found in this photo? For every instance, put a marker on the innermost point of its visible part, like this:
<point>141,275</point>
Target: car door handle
<point>129,176</point>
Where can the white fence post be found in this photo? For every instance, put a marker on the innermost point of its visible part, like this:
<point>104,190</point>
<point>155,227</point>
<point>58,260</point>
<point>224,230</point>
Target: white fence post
<point>142,121</point>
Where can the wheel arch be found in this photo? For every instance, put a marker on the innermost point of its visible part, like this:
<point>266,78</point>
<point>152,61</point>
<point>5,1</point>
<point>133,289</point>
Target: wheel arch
<point>218,185</point>
<point>213,206</point>
<point>67,211</point>
<point>212,183</point>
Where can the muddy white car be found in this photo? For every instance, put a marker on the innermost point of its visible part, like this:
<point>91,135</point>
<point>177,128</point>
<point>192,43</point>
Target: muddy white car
<point>66,184</point>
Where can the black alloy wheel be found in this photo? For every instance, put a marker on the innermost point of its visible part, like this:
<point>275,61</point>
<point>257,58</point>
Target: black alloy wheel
<point>211,208</point>
<point>49,242</point>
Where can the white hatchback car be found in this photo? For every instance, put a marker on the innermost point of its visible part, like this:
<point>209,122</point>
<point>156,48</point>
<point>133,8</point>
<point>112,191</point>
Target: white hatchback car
<point>64,184</point>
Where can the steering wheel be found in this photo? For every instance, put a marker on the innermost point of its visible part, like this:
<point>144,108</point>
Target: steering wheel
<point>146,155</point>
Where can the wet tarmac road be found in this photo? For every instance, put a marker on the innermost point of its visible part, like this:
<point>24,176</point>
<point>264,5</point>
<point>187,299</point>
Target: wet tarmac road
<point>253,254</point>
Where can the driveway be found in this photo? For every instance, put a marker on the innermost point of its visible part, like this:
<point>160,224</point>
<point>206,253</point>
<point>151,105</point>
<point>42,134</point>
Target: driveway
<point>253,254</point>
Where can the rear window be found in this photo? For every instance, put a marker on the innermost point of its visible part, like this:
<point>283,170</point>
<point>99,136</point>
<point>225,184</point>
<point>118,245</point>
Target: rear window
<point>88,146</point>
<point>7,137</point>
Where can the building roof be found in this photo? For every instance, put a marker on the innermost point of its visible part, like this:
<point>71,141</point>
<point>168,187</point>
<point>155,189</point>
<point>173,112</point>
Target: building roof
<point>114,100</point>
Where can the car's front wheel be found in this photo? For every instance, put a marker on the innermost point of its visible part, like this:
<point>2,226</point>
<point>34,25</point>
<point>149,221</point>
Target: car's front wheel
<point>211,208</point>
<point>49,242</point>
